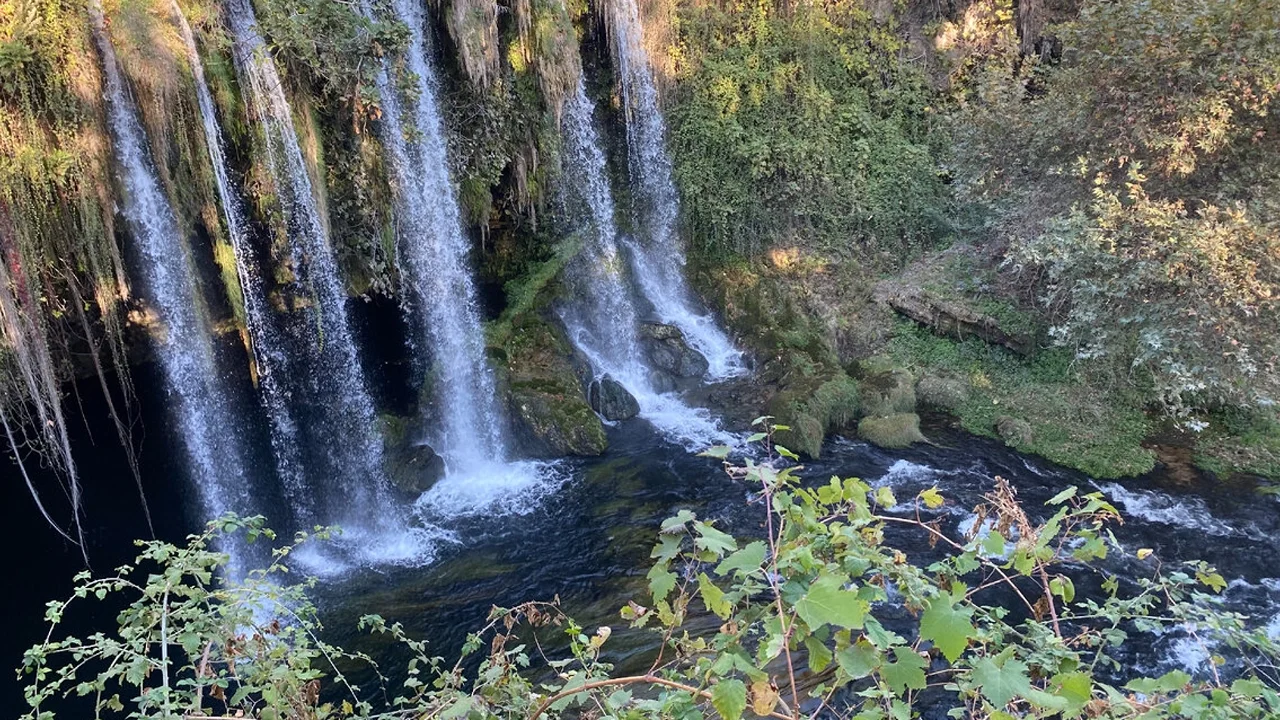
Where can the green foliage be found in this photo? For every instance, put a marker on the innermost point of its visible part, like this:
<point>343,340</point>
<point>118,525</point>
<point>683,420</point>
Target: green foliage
<point>800,126</point>
<point>331,44</point>
<point>812,593</point>
<point>1141,177</point>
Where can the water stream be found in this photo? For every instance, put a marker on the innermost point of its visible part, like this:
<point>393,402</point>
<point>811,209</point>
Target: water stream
<point>432,248</point>
<point>270,355</point>
<point>332,463</point>
<point>658,257</point>
<point>197,389</point>
<point>590,543</point>
<point>602,320</point>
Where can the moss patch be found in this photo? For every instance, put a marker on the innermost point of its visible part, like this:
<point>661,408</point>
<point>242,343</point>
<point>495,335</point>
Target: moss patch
<point>894,431</point>
<point>545,391</point>
<point>1072,421</point>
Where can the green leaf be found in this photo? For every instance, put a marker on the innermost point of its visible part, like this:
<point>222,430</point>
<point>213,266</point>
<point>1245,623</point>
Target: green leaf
<point>661,582</point>
<point>819,654</point>
<point>1063,588</point>
<point>1213,580</point>
<point>729,698</point>
<point>713,597</point>
<point>1001,683</point>
<point>827,602</point>
<point>858,660</point>
<point>745,561</point>
<point>1076,688</point>
<point>948,626</point>
<point>884,497</point>
<point>906,672</point>
<point>712,539</point>
<point>993,544</point>
<point>1167,683</point>
<point>1063,496</point>
<point>785,452</point>
<point>677,521</point>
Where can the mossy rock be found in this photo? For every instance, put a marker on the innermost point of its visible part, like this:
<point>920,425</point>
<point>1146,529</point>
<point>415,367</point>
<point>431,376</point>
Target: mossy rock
<point>546,391</point>
<point>812,407</point>
<point>889,392</point>
<point>892,432</point>
<point>941,393</point>
<point>1016,432</point>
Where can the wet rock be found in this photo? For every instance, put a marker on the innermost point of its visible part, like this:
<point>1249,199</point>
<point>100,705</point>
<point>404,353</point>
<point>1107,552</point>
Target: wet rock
<point>941,393</point>
<point>1014,431</point>
<point>613,401</point>
<point>412,466</point>
<point>667,350</point>
<point>892,432</point>
<point>556,424</point>
<point>545,381</point>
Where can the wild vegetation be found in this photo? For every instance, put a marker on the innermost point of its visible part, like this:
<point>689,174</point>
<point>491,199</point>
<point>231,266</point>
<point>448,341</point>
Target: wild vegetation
<point>1106,172</point>
<point>992,627</point>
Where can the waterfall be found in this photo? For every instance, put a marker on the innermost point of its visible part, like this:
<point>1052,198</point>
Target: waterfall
<point>265,342</point>
<point>196,394</point>
<point>432,251</point>
<point>340,474</point>
<point>603,323</point>
<point>659,262</point>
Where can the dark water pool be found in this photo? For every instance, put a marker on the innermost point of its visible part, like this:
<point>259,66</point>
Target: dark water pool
<point>588,543</point>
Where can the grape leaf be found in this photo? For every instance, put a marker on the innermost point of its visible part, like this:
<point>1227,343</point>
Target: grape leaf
<point>729,698</point>
<point>948,626</point>
<point>827,602</point>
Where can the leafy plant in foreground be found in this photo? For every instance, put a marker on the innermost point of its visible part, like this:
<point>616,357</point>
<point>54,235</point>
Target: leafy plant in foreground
<point>811,614</point>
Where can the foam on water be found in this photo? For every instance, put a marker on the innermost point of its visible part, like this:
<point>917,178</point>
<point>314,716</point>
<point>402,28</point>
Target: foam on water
<point>1187,512</point>
<point>498,488</point>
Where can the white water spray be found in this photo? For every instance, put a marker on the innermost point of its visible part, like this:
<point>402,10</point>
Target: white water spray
<point>339,478</point>
<point>432,250</point>
<point>604,325</point>
<point>197,396</point>
<point>658,261</point>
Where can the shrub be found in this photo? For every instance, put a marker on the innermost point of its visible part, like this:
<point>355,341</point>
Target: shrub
<point>812,592</point>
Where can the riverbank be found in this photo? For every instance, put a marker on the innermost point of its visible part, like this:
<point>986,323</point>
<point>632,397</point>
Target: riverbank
<point>974,351</point>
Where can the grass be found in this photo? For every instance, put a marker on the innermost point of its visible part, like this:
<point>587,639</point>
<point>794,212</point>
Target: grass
<point>1074,423</point>
<point>1241,441</point>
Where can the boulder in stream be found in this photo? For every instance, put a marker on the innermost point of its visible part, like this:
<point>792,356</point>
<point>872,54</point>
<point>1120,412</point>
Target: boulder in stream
<point>891,432</point>
<point>668,351</point>
<point>613,401</point>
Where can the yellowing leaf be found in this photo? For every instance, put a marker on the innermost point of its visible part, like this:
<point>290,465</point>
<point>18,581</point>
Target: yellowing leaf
<point>932,498</point>
<point>764,698</point>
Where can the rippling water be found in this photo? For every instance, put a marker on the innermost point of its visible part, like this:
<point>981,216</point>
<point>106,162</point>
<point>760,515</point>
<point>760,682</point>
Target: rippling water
<point>588,541</point>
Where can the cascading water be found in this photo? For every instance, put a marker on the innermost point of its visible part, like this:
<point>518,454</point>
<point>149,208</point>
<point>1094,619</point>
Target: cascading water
<point>432,249</point>
<point>659,262</point>
<point>270,355</point>
<point>340,478</point>
<point>197,395</point>
<point>604,325</point>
